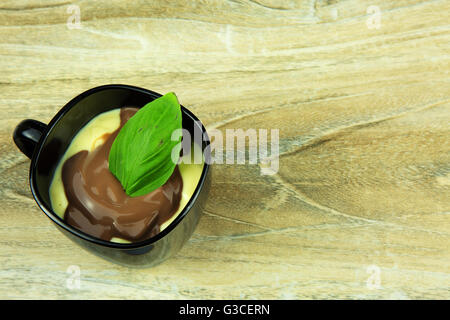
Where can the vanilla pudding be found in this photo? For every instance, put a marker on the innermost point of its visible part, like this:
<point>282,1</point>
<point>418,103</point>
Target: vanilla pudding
<point>93,137</point>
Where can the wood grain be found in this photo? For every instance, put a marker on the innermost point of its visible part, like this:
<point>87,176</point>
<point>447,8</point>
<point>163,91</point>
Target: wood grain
<point>363,113</point>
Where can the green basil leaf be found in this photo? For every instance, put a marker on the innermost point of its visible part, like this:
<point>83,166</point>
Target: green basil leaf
<point>141,155</point>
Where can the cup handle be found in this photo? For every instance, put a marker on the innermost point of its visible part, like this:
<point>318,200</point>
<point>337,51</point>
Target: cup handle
<point>27,134</point>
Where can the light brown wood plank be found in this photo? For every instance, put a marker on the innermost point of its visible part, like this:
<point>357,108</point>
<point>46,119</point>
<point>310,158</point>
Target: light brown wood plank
<point>364,177</point>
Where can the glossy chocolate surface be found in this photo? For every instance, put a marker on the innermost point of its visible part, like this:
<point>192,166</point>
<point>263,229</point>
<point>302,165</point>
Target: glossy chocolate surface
<point>98,204</point>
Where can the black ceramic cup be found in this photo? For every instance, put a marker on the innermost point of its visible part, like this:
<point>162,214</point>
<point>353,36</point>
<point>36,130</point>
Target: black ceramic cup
<point>45,145</point>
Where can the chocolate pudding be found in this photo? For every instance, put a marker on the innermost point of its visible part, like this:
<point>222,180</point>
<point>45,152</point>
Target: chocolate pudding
<point>88,197</point>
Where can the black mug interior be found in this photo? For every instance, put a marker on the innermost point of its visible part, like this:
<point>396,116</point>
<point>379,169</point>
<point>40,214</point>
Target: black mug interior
<point>57,138</point>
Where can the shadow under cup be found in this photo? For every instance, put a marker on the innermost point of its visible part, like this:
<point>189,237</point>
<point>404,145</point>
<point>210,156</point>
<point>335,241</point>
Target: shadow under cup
<point>47,145</point>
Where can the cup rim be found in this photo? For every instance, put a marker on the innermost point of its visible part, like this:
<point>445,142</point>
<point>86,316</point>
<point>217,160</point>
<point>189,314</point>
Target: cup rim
<point>78,233</point>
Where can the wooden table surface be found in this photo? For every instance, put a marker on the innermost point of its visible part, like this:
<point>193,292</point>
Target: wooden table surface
<point>360,91</point>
